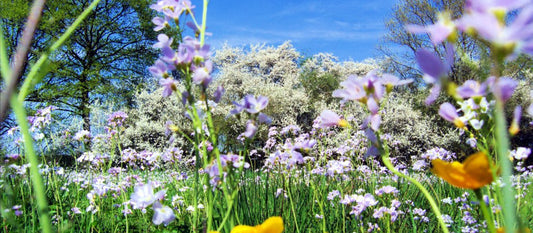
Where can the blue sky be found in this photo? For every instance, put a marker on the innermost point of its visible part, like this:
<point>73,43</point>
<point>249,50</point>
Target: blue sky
<point>346,29</point>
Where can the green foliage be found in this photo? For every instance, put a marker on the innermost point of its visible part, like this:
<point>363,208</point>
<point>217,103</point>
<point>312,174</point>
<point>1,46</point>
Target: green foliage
<point>105,59</point>
<point>319,87</point>
<point>262,195</point>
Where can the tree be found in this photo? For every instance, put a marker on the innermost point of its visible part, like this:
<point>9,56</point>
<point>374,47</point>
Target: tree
<point>106,58</point>
<point>399,46</point>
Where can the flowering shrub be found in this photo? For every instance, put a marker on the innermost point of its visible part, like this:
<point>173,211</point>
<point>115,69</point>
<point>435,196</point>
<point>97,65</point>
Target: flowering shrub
<point>148,129</point>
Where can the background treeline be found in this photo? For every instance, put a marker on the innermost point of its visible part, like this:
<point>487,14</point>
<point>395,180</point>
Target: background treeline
<point>104,69</point>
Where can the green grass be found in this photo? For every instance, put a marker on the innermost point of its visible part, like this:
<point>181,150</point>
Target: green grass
<point>299,203</point>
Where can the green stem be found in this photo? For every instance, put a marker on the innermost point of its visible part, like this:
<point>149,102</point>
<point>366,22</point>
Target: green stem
<point>502,150</point>
<point>228,211</point>
<point>36,178</point>
<point>292,207</point>
<point>4,61</point>
<point>30,81</point>
<point>485,211</point>
<point>204,20</point>
<point>434,207</point>
<point>320,205</point>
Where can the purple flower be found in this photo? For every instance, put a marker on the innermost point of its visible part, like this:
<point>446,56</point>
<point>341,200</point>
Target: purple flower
<point>174,12</point>
<point>420,165</point>
<point>503,88</point>
<point>361,89</point>
<point>117,119</point>
<point>449,113</point>
<point>169,85</point>
<point>75,210</point>
<point>372,152</point>
<point>374,121</point>
<point>200,53</point>
<point>184,97</point>
<point>250,104</point>
<point>373,106</point>
<point>434,69</point>
<point>253,105</point>
<point>235,160</point>
<point>264,118</point>
<point>201,76</point>
<point>390,81</point>
<point>219,93</point>
<point>160,69</point>
<point>494,5</point>
<point>443,29</point>
<point>162,4</point>
<point>333,194</point>
<point>196,30</point>
<point>329,119</point>
<point>160,23</point>
<point>162,41</point>
<point>182,58</point>
<point>386,190</point>
<point>353,89</point>
<point>515,124</point>
<point>380,212</point>
<point>472,88</point>
<point>305,145</point>
<point>12,157</point>
<point>162,214</point>
<point>509,39</point>
<point>521,153</point>
<point>83,135</point>
<point>334,167</point>
<point>439,153</point>
<point>172,8</point>
<point>143,196</point>
<point>432,66</point>
<point>251,129</point>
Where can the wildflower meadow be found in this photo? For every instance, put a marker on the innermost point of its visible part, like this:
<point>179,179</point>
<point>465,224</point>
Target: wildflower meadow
<point>260,140</point>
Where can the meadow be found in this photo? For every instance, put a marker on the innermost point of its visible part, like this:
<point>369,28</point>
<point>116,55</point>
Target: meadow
<point>275,144</point>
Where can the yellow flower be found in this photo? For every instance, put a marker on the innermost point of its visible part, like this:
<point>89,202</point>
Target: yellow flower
<point>473,173</point>
<point>271,225</point>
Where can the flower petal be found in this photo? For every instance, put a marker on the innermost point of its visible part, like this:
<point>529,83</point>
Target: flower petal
<point>271,225</point>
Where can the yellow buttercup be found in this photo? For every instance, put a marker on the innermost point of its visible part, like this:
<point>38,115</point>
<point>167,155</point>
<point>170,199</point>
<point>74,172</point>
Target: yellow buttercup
<point>271,225</point>
<point>473,173</point>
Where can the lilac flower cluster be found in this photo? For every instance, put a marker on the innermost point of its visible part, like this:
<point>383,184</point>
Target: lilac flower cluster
<point>421,164</point>
<point>94,159</point>
<point>150,160</point>
<point>369,91</point>
<point>39,121</point>
<point>420,214</point>
<point>520,153</point>
<point>227,161</point>
<point>144,196</point>
<point>117,119</point>
<point>487,20</point>
<point>192,56</point>
<point>82,136</point>
<point>253,107</point>
<point>42,117</point>
<point>362,202</point>
<point>474,105</point>
<point>286,159</point>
